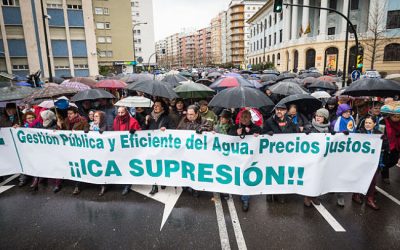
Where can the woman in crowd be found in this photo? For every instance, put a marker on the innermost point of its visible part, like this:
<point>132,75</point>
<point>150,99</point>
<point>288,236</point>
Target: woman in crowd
<point>391,125</point>
<point>194,121</point>
<point>319,124</point>
<point>178,112</point>
<point>76,122</point>
<point>331,106</point>
<point>369,127</point>
<point>125,122</point>
<point>91,116</point>
<point>10,116</point>
<point>158,119</point>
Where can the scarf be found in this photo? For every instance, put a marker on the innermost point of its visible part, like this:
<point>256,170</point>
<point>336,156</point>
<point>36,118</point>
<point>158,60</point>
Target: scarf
<point>294,119</point>
<point>322,128</point>
<point>223,128</point>
<point>71,123</point>
<point>32,124</point>
<point>94,127</point>
<point>393,134</point>
<point>122,120</point>
<point>156,116</point>
<point>343,124</point>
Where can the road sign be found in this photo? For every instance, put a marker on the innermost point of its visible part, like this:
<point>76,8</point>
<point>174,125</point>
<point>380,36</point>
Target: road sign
<point>140,59</point>
<point>355,75</point>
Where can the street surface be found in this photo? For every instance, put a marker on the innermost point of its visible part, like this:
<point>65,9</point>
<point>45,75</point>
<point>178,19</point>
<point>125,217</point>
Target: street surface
<point>44,220</point>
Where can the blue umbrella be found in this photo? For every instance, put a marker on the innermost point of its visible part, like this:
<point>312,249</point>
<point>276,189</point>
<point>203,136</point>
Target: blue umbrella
<point>23,84</point>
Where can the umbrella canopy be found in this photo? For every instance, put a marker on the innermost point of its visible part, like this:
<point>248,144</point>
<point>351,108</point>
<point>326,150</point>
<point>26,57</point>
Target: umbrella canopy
<point>111,84</point>
<point>288,75</point>
<point>135,101</point>
<point>92,94</point>
<point>49,104</point>
<point>271,72</point>
<point>373,87</point>
<point>239,97</point>
<point>75,85</point>
<point>85,80</point>
<point>137,77</point>
<point>214,75</point>
<point>14,93</point>
<point>287,88</point>
<point>23,84</point>
<point>321,95</point>
<point>193,90</point>
<point>309,80</point>
<point>306,104</point>
<point>204,81</point>
<point>174,80</point>
<point>232,75</point>
<point>58,80</point>
<point>230,82</point>
<point>391,108</point>
<point>311,74</point>
<point>256,84</point>
<point>268,77</point>
<point>50,92</point>
<point>185,74</point>
<point>154,88</point>
<point>322,85</point>
<point>327,78</point>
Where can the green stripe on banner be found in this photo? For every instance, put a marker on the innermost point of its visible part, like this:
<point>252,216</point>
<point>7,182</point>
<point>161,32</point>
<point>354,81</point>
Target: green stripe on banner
<point>2,141</point>
<point>16,149</point>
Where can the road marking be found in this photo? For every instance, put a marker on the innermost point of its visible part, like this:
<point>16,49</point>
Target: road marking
<point>223,232</point>
<point>9,179</point>
<point>236,225</point>
<point>169,196</point>
<point>387,195</point>
<point>5,188</point>
<point>329,218</point>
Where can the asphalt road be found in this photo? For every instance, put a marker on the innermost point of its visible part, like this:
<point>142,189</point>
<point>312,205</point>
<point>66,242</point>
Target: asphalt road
<point>44,220</point>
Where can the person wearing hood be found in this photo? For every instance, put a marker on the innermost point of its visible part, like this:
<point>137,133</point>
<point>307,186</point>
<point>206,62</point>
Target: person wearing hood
<point>345,121</point>
<point>331,106</point>
<point>319,124</point>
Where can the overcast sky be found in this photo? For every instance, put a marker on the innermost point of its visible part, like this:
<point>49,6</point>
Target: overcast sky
<point>171,16</point>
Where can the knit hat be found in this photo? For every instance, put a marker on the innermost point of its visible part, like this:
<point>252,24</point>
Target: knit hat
<point>323,112</point>
<point>48,117</point>
<point>342,108</point>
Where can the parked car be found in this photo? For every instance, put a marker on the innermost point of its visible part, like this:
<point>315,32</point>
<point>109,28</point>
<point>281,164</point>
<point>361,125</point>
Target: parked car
<point>371,74</point>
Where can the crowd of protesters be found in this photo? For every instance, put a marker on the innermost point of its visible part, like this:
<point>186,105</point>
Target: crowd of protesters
<point>339,115</point>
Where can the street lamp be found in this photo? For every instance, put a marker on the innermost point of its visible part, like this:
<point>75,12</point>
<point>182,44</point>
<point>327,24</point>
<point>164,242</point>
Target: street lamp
<point>133,35</point>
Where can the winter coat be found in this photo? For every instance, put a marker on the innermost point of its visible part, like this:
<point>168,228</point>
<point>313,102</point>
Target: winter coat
<point>130,124</point>
<point>210,116</point>
<point>312,128</point>
<point>175,117</point>
<point>253,129</point>
<point>79,123</point>
<point>163,121</point>
<point>5,120</point>
<point>272,125</point>
<point>199,124</point>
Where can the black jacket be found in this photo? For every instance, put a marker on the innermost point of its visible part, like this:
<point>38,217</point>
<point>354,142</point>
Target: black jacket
<point>253,129</point>
<point>272,125</point>
<point>163,121</point>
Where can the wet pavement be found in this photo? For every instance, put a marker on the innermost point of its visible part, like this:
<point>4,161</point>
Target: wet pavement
<point>44,220</point>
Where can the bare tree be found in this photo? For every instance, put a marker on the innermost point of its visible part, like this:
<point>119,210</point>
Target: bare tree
<point>376,36</point>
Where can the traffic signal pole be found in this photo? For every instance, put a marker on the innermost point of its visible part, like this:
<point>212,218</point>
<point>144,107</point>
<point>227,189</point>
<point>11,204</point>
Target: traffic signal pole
<point>349,23</point>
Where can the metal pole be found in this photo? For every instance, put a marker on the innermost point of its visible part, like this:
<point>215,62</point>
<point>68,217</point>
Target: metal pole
<point>346,47</point>
<point>44,17</point>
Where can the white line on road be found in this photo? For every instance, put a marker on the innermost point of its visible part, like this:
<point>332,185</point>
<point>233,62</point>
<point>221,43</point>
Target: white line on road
<point>329,218</point>
<point>387,195</point>
<point>5,188</point>
<point>9,179</point>
<point>223,232</point>
<point>236,225</point>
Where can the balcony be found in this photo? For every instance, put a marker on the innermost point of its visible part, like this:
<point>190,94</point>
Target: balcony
<point>238,9</point>
<point>237,17</point>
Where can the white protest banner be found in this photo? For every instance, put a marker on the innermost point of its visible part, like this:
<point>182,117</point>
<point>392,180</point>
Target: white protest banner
<point>9,163</point>
<point>311,164</point>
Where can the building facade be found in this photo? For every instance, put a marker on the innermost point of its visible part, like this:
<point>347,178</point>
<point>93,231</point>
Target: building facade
<point>70,34</point>
<point>216,39</point>
<point>143,23</point>
<point>301,38</point>
<point>114,37</point>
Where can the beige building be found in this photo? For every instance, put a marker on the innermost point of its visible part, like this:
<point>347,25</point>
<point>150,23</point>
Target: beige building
<point>216,39</point>
<point>70,38</point>
<point>304,38</point>
<point>114,36</point>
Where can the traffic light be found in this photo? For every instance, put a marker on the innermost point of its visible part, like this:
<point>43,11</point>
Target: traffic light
<point>360,57</point>
<point>278,6</point>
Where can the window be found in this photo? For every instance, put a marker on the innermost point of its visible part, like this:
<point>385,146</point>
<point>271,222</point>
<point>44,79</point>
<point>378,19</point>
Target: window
<point>354,4</point>
<point>74,7</point>
<point>265,23</point>
<point>270,39</point>
<point>275,18</point>
<point>274,38</point>
<point>81,66</point>
<point>61,67</point>
<point>109,53</point>
<point>108,39</point>
<point>332,5</point>
<point>106,11</point>
<point>392,52</point>
<point>54,6</point>
<point>265,41</point>
<point>270,21</point>
<point>100,26</point>
<point>20,67</point>
<point>331,31</point>
<point>98,11</point>
<point>278,59</point>
<point>280,36</point>
<point>11,2</point>
<point>104,39</point>
<point>102,54</point>
<point>393,19</point>
<point>281,16</point>
<point>257,45</point>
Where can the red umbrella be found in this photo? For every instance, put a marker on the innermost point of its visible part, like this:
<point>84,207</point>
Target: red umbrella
<point>111,84</point>
<point>326,78</point>
<point>230,82</point>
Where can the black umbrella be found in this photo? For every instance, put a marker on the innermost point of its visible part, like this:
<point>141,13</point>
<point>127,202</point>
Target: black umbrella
<point>15,93</point>
<point>154,88</point>
<point>373,87</point>
<point>174,80</point>
<point>310,74</point>
<point>287,88</point>
<point>204,81</point>
<point>271,72</point>
<point>306,104</point>
<point>58,80</point>
<point>92,94</point>
<point>239,97</point>
<point>268,77</point>
<point>322,85</point>
<point>214,75</point>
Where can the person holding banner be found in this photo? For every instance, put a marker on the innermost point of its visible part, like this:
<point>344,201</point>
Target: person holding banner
<point>11,116</point>
<point>125,122</point>
<point>76,122</point>
<point>194,121</point>
<point>279,123</point>
<point>319,124</point>
<point>245,127</point>
<point>158,119</point>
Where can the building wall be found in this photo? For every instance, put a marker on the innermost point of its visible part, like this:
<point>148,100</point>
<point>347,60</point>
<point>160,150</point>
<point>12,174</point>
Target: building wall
<point>119,18</point>
<point>24,44</point>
